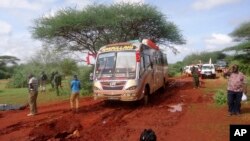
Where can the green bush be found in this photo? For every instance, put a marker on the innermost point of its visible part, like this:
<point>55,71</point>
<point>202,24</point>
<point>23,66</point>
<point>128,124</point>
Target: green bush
<point>18,80</point>
<point>172,73</point>
<point>220,97</point>
<point>84,78</point>
<point>20,75</point>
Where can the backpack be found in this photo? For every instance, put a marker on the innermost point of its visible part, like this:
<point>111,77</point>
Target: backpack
<point>148,135</point>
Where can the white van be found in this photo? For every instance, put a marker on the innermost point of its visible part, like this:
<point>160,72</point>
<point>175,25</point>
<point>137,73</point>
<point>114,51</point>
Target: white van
<point>208,71</point>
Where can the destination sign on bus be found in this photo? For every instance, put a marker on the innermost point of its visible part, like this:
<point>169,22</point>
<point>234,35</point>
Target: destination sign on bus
<point>118,48</point>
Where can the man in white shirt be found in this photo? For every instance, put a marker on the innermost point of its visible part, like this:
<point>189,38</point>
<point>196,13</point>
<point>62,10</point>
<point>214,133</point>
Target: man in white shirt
<point>33,92</point>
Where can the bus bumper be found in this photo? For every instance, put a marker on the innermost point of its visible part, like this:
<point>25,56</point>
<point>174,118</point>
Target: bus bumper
<point>126,95</point>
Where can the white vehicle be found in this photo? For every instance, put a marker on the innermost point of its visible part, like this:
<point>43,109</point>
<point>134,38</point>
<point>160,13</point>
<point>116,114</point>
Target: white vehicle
<point>208,70</point>
<point>129,71</point>
<point>187,70</point>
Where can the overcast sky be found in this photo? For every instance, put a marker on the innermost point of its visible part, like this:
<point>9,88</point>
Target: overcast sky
<point>205,24</point>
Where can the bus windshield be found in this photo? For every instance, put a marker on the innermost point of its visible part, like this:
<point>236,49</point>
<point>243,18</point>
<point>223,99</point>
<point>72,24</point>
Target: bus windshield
<point>116,65</point>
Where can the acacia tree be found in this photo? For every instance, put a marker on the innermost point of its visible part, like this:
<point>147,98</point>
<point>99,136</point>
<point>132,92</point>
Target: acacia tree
<point>96,25</point>
<point>242,56</point>
<point>204,57</point>
<point>242,34</point>
<point>6,59</point>
<point>7,64</point>
<point>243,31</point>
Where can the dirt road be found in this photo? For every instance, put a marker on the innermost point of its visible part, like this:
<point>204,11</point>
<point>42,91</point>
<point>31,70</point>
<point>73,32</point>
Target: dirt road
<point>180,113</point>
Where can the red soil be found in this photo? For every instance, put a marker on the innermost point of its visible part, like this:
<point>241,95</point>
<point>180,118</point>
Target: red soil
<point>200,118</point>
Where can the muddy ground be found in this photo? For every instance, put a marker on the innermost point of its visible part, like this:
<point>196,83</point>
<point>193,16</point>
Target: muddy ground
<point>197,118</point>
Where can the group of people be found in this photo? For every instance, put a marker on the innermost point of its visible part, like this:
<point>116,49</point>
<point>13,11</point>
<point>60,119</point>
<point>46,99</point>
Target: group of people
<point>55,80</point>
<point>33,85</point>
<point>237,85</point>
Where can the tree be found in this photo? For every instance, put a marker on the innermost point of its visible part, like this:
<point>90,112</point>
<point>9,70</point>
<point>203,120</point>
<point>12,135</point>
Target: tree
<point>7,64</point>
<point>48,59</point>
<point>242,56</point>
<point>6,59</point>
<point>97,25</point>
<point>243,31</point>
<point>203,57</point>
<point>68,66</point>
<point>242,34</point>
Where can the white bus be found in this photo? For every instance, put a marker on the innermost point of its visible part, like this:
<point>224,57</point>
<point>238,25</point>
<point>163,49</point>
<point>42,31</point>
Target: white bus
<point>129,71</point>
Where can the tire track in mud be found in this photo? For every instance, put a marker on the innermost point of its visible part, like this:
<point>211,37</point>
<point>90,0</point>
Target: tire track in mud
<point>53,115</point>
<point>29,123</point>
<point>122,117</point>
<point>100,117</point>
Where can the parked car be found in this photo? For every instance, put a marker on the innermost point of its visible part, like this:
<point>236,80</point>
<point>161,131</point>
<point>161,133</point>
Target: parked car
<point>220,65</point>
<point>208,71</point>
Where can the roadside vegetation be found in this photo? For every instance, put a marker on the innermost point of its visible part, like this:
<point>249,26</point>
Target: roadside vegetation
<point>19,96</point>
<point>59,33</point>
<point>220,97</point>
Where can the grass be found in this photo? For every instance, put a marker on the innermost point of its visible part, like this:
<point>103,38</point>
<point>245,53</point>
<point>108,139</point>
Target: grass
<point>220,85</point>
<point>20,95</point>
<point>215,84</point>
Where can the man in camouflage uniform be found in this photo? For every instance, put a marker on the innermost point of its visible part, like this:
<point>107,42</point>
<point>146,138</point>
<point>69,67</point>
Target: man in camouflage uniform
<point>57,82</point>
<point>195,75</point>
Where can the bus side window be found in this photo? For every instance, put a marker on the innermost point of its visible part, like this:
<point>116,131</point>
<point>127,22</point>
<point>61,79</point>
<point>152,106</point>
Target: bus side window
<point>142,66</point>
<point>147,61</point>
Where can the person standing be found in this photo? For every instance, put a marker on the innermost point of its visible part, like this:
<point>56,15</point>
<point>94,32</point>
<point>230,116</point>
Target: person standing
<point>237,84</point>
<point>195,75</point>
<point>75,91</point>
<point>52,79</point>
<point>181,71</point>
<point>33,92</point>
<point>43,80</point>
<point>57,82</point>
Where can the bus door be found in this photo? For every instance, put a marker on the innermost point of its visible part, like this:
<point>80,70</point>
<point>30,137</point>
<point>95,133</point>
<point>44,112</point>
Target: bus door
<point>147,72</point>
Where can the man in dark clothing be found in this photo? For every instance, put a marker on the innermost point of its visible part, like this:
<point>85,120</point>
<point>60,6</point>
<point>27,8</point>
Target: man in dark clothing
<point>57,82</point>
<point>195,75</point>
<point>52,79</point>
<point>181,71</point>
<point>43,80</point>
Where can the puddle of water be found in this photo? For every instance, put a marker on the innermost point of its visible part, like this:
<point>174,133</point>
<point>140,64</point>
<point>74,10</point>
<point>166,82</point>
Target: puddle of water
<point>175,108</point>
<point>5,107</point>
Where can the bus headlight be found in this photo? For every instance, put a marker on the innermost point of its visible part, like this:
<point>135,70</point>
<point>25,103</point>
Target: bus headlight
<point>132,88</point>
